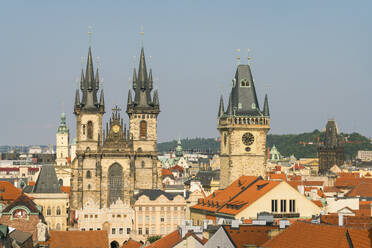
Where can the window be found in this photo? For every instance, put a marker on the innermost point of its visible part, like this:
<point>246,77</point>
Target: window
<point>274,206</point>
<point>86,216</point>
<point>88,175</point>
<point>153,230</point>
<point>153,208</point>
<point>139,208</point>
<point>118,215</point>
<point>162,208</point>
<point>140,231</point>
<point>292,206</point>
<point>143,129</point>
<point>98,229</point>
<point>49,211</point>
<point>168,208</point>
<point>120,230</point>
<point>83,229</point>
<point>96,216</point>
<point>175,219</point>
<point>147,230</point>
<point>175,208</point>
<point>84,129</point>
<point>168,218</point>
<point>88,186</point>
<point>147,219</point>
<point>283,206</point>
<point>128,230</point>
<point>90,130</point>
<point>140,218</point>
<point>60,182</point>
<point>162,219</point>
<point>90,229</point>
<point>168,229</point>
<point>113,231</point>
<point>153,218</point>
<point>253,106</point>
<point>143,164</point>
<point>58,212</point>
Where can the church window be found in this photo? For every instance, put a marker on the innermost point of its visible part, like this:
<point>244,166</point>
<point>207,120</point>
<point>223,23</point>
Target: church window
<point>88,174</point>
<point>143,129</point>
<point>115,183</point>
<point>49,211</point>
<point>143,164</point>
<point>58,212</point>
<point>90,130</point>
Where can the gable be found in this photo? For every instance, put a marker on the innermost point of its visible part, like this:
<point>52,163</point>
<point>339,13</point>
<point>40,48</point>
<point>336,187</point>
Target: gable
<point>219,239</point>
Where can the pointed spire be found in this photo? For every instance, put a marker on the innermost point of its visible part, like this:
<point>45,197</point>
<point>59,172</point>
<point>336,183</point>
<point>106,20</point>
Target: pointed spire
<point>150,79</point>
<point>82,80</point>
<point>230,107</point>
<point>89,71</point>
<point>142,72</point>
<point>156,98</point>
<point>266,107</point>
<point>97,80</point>
<point>222,108</point>
<point>130,101</point>
<point>102,101</point>
<point>77,98</point>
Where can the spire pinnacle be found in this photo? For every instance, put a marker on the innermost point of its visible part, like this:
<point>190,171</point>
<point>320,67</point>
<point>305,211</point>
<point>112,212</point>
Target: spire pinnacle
<point>90,35</point>
<point>156,98</point>
<point>221,110</point>
<point>82,80</point>
<point>230,107</point>
<point>266,107</point>
<point>89,70</point>
<point>142,72</point>
<point>130,101</point>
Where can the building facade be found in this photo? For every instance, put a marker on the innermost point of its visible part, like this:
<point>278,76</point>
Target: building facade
<point>243,128</point>
<point>112,164</point>
<point>331,152</point>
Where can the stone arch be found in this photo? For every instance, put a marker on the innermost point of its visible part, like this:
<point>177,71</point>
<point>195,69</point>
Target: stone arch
<point>88,175</point>
<point>115,183</point>
<point>90,130</point>
<point>114,244</point>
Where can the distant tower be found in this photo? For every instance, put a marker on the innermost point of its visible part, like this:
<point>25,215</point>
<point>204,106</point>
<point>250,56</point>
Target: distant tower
<point>62,142</point>
<point>179,149</point>
<point>243,128</point>
<point>332,151</point>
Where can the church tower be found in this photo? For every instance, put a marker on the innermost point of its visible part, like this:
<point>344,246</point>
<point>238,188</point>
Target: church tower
<point>85,169</point>
<point>143,112</point>
<point>62,143</point>
<point>243,128</point>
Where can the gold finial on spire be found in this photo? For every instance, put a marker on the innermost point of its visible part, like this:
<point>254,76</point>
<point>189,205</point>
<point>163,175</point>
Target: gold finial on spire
<point>238,50</point>
<point>90,34</point>
<point>249,57</point>
<point>142,34</point>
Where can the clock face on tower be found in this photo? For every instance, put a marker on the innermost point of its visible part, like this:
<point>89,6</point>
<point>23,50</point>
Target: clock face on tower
<point>115,128</point>
<point>248,139</point>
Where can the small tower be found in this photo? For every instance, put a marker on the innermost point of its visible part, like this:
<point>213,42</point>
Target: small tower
<point>143,111</point>
<point>243,128</point>
<point>179,150</point>
<point>62,143</point>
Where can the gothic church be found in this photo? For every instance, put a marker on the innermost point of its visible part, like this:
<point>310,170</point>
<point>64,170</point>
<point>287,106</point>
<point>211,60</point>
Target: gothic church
<point>114,163</point>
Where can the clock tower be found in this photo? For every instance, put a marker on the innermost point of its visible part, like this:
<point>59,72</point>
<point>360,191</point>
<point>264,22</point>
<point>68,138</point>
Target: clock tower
<point>243,128</point>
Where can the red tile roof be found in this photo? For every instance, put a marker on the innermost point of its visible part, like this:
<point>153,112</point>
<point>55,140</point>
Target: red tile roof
<point>349,221</point>
<point>330,189</point>
<point>274,176</point>
<point>363,189</point>
<point>177,167</point>
<point>78,239</point>
<point>306,235</point>
<point>318,203</point>
<point>166,172</point>
<point>313,183</point>
<point>22,200</point>
<point>246,235</point>
<point>167,241</point>
<point>131,244</point>
<point>65,189</point>
<point>8,192</point>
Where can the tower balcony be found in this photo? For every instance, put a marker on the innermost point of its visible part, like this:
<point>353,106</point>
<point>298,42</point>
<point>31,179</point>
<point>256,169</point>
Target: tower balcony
<point>244,121</point>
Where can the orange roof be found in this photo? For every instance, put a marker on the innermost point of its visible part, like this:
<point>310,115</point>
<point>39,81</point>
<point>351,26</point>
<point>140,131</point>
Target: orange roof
<point>78,239</point>
<point>281,176</point>
<point>31,183</point>
<point>191,233</point>
<point>318,203</point>
<point>330,189</point>
<point>248,235</point>
<point>8,192</point>
<point>301,234</point>
<point>166,172</point>
<point>131,244</point>
<point>294,178</point>
<point>313,183</point>
<point>362,190</point>
<point>167,241</point>
<point>177,167</point>
<point>349,221</point>
<point>65,189</point>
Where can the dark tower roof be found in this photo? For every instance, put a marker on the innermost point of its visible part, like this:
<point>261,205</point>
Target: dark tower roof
<point>47,181</point>
<point>89,85</point>
<point>331,134</point>
<point>221,109</point>
<point>243,94</point>
<point>266,111</point>
<point>142,86</point>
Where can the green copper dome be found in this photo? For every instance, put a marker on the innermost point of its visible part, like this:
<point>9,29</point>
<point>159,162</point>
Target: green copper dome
<point>179,150</point>
<point>62,126</point>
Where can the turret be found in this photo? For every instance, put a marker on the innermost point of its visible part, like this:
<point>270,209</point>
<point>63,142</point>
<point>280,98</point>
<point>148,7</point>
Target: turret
<point>266,107</point>
<point>221,108</point>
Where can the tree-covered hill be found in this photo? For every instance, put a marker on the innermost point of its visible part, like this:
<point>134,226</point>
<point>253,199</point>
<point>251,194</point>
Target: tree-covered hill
<point>302,145</point>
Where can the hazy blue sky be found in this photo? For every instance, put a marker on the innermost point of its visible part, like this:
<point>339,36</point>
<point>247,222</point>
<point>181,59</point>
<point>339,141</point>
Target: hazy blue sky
<point>313,58</point>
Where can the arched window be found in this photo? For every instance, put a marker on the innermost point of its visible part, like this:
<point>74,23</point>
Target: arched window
<point>58,227</point>
<point>88,174</point>
<point>90,130</point>
<point>60,182</point>
<point>143,129</point>
<point>115,183</point>
<point>49,211</point>
<point>143,164</point>
<point>58,212</point>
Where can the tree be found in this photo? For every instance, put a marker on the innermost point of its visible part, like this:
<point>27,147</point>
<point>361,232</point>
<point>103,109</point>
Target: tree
<point>152,239</point>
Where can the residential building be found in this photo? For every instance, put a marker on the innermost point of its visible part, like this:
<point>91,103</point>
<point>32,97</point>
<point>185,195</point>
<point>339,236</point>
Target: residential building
<point>364,155</point>
<point>243,127</point>
<point>76,239</point>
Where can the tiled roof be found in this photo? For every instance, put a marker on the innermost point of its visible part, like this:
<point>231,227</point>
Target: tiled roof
<point>153,194</point>
<point>78,239</point>
<point>177,167</point>
<point>274,176</point>
<point>191,233</point>
<point>330,189</point>
<point>131,244</point>
<point>166,172</point>
<point>318,203</point>
<point>22,200</point>
<point>313,183</point>
<point>306,235</point>
<point>364,189</point>
<point>8,192</point>
<point>248,235</point>
<point>345,182</point>
<point>167,241</point>
<point>294,178</point>
<point>349,221</point>
<point>65,189</point>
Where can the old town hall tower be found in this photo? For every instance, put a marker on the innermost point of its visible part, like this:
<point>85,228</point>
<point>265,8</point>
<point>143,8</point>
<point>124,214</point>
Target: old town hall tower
<point>243,128</point>
<point>114,163</point>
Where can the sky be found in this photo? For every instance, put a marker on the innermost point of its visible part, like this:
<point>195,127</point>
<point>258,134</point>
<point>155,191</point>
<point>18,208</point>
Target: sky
<point>312,58</point>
